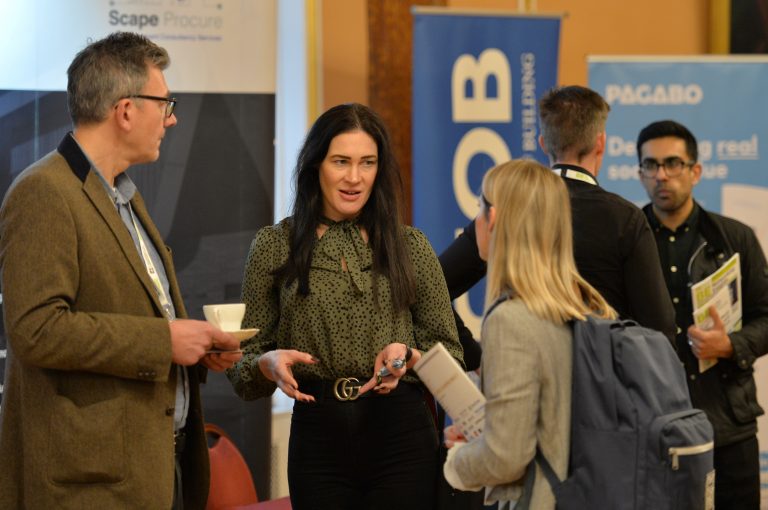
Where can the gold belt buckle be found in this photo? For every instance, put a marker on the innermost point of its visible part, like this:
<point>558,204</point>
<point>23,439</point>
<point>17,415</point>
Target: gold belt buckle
<point>346,389</point>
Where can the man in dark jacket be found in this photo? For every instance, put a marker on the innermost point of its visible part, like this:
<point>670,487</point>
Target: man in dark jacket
<point>692,244</point>
<point>612,243</point>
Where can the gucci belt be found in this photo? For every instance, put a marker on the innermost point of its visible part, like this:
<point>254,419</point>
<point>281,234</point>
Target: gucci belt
<point>346,389</point>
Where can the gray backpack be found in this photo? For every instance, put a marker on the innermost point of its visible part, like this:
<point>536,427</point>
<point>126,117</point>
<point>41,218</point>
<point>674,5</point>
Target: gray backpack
<point>636,441</point>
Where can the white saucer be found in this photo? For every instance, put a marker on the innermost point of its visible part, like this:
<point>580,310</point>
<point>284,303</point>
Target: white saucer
<point>244,334</point>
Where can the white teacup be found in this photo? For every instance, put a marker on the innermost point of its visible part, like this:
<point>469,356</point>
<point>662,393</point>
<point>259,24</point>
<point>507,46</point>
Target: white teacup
<point>226,317</point>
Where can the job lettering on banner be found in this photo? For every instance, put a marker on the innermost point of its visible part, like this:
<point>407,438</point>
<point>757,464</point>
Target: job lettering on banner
<point>722,101</point>
<point>476,81</point>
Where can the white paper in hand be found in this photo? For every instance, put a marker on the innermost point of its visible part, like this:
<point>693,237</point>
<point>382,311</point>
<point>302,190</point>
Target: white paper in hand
<point>453,389</point>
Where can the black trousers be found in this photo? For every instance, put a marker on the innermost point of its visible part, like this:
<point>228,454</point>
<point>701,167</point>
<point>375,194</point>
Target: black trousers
<point>178,493</point>
<point>179,442</point>
<point>737,476</point>
<point>377,452</point>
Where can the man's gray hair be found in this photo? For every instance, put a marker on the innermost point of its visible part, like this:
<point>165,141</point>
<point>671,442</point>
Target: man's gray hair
<point>571,119</point>
<point>108,70</point>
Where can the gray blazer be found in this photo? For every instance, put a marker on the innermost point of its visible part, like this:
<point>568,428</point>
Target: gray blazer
<point>526,374</point>
<point>87,415</point>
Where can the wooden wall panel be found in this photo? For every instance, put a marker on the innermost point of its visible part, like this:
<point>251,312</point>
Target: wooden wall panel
<point>389,75</point>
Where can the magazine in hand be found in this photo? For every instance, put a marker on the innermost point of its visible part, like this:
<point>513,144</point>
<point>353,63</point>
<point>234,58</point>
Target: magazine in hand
<point>721,289</point>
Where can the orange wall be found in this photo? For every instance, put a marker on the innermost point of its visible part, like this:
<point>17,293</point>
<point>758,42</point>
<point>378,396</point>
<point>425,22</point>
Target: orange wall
<point>606,27</point>
<point>590,27</point>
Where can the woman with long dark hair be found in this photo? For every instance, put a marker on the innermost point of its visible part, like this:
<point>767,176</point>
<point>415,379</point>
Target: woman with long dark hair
<point>347,298</point>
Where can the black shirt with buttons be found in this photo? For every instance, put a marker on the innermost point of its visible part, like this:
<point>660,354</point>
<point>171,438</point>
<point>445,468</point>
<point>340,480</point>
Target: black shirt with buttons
<point>675,250</point>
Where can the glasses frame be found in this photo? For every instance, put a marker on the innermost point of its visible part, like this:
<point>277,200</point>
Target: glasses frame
<point>170,105</point>
<point>674,173</point>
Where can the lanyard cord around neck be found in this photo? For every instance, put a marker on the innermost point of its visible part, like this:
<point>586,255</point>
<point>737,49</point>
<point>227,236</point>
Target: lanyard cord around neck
<point>161,295</point>
<point>577,176</point>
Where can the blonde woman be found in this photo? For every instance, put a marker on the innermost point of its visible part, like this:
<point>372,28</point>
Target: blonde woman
<point>524,233</point>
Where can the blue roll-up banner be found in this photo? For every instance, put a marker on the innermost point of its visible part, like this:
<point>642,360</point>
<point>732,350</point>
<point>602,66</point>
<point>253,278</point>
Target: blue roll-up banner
<point>477,78</point>
<point>722,101</point>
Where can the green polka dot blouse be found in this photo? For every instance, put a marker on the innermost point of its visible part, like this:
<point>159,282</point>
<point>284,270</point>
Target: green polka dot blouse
<point>337,322</point>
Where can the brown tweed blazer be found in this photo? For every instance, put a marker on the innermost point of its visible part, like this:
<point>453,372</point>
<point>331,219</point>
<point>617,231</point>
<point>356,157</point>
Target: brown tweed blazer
<point>87,414</point>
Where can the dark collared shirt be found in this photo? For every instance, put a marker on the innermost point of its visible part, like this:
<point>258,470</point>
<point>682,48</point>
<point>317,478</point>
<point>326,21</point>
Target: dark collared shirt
<point>676,247</point>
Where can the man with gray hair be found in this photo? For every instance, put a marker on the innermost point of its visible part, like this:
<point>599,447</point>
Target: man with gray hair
<point>613,245</point>
<point>102,405</point>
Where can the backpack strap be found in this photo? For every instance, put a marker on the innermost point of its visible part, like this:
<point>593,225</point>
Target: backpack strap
<point>524,503</point>
<point>546,468</point>
<point>503,297</point>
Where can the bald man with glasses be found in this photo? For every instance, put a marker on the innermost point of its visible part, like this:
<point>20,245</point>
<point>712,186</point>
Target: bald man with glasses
<point>692,244</point>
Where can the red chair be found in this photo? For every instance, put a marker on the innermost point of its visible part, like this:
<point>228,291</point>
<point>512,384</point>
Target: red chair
<point>274,504</point>
<point>231,481</point>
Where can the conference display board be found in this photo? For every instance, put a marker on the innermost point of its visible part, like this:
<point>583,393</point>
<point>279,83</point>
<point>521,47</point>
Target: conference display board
<point>477,77</point>
<point>722,101</point>
<point>212,187</point>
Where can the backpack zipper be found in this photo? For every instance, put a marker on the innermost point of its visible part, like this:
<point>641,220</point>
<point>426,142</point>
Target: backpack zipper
<point>676,451</point>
